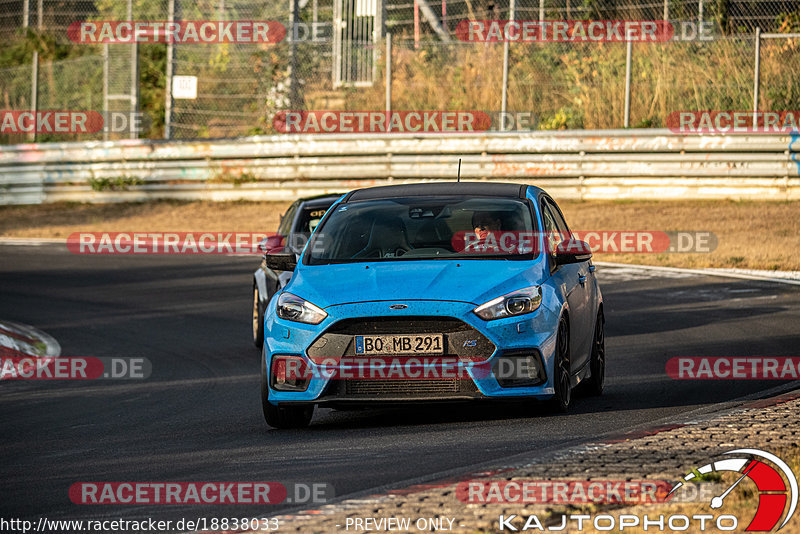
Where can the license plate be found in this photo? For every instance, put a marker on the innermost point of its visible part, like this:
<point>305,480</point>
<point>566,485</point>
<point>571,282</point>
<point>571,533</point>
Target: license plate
<point>400,344</point>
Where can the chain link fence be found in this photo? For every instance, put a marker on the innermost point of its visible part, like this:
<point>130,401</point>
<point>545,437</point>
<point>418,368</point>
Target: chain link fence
<point>734,16</point>
<point>15,93</point>
<point>333,58</point>
<point>780,63</point>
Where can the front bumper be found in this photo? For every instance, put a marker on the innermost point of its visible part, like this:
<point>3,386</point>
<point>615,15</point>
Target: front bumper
<point>476,344</point>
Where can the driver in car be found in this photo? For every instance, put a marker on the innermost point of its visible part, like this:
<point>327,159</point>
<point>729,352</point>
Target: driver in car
<point>485,222</point>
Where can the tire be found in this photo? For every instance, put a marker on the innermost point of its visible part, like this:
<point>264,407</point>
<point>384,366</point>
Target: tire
<point>258,319</point>
<point>282,416</point>
<point>597,363</point>
<point>562,386</point>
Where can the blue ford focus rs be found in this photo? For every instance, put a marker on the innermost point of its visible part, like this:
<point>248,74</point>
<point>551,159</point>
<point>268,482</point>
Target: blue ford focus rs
<point>433,292</point>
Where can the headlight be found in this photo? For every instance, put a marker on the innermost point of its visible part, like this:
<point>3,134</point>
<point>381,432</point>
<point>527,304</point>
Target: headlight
<point>293,308</point>
<point>515,303</point>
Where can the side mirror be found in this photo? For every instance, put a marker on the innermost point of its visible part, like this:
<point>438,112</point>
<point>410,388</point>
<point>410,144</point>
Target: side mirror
<point>572,251</point>
<point>282,261</point>
<point>269,244</point>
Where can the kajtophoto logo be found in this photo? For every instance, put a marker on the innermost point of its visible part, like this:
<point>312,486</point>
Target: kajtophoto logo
<point>767,472</point>
<point>773,495</point>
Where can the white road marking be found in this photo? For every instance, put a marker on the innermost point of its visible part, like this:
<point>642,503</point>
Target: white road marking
<point>632,271</point>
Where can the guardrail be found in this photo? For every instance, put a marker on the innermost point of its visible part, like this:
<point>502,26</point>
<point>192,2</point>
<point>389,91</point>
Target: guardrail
<point>618,164</point>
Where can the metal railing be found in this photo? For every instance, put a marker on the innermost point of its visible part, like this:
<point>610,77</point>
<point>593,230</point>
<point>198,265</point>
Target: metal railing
<point>617,164</point>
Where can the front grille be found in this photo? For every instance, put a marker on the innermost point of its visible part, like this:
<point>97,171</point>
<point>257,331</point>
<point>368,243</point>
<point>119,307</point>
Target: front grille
<point>461,339</point>
<point>400,389</point>
<point>392,388</point>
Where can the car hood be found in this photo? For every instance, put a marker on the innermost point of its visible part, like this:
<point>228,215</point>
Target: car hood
<point>473,281</point>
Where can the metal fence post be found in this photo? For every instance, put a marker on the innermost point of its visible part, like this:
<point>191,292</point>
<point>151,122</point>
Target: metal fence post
<point>628,54</point>
<point>666,9</point>
<point>504,96</point>
<point>294,88</point>
<point>105,90</point>
<point>170,67</point>
<point>388,76</point>
<point>336,67</point>
<point>416,24</point>
<point>40,15</point>
<point>134,105</point>
<point>133,119</point>
<point>756,75</point>
<point>34,93</point>
<point>541,10</point>
<point>26,13</point>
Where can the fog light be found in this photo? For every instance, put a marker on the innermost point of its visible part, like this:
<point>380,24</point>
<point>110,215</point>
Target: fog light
<point>519,369</point>
<point>280,371</point>
<point>289,373</point>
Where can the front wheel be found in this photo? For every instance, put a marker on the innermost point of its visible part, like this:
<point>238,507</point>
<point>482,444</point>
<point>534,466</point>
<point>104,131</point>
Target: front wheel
<point>258,319</point>
<point>288,416</point>
<point>282,416</point>
<point>561,373</point>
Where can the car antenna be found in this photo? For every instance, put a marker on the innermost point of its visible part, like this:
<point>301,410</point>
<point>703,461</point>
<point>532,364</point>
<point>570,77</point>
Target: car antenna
<point>459,170</point>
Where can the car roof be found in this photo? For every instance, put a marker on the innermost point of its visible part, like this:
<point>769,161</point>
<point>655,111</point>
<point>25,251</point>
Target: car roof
<point>427,189</point>
<point>320,199</point>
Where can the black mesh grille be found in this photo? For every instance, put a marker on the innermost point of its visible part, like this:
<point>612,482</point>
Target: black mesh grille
<point>381,388</point>
<point>459,337</point>
<point>399,389</point>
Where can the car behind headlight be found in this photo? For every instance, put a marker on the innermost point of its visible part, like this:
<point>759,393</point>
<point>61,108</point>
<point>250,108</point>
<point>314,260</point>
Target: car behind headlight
<point>293,308</point>
<point>511,304</point>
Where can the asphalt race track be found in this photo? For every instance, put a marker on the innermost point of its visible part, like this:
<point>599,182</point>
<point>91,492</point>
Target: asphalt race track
<point>198,417</point>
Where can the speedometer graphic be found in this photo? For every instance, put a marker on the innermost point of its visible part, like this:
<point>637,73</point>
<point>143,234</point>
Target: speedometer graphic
<point>773,495</point>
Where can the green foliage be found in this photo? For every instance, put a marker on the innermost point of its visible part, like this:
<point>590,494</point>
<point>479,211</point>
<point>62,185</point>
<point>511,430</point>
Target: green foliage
<point>711,476</point>
<point>235,178</point>
<point>122,183</point>
<point>19,50</point>
<point>152,86</point>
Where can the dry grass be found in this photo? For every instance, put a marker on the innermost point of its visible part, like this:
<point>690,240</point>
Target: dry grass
<point>582,85</point>
<point>60,220</point>
<point>754,235</point>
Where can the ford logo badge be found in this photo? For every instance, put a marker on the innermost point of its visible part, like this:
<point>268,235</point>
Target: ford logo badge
<point>398,306</point>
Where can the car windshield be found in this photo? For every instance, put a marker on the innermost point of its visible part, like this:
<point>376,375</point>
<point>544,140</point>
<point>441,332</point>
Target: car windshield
<point>419,228</point>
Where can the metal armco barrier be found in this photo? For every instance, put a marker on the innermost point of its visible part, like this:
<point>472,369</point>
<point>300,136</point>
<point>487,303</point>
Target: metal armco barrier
<point>608,164</point>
